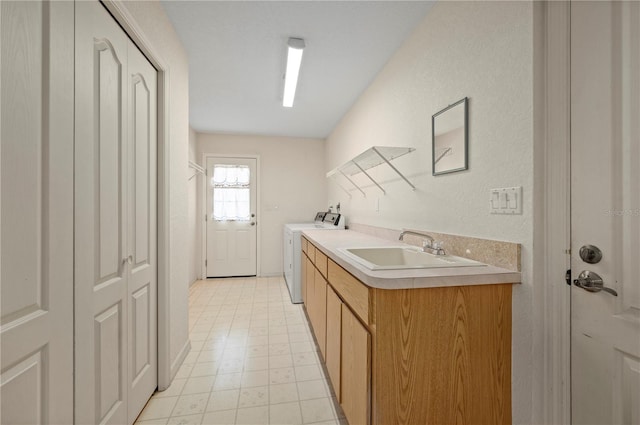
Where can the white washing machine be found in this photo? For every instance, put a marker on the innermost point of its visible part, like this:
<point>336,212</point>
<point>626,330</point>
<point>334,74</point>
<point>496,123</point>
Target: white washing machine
<point>293,248</point>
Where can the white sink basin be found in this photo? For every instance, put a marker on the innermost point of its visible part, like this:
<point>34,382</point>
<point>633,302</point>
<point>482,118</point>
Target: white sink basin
<point>403,257</point>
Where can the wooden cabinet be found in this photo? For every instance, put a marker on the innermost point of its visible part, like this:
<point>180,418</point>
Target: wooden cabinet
<point>409,356</point>
<point>319,316</point>
<point>308,281</point>
<point>303,276</point>
<point>315,296</point>
<point>443,355</point>
<point>321,263</point>
<point>354,292</point>
<point>356,368</point>
<point>334,339</point>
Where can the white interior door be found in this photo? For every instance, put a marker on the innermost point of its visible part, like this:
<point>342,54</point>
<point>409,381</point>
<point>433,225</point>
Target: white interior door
<point>605,181</point>
<point>231,216</point>
<point>36,197</point>
<point>115,222</point>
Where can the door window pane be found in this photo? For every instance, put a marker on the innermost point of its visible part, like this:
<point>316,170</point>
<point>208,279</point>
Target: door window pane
<point>231,192</point>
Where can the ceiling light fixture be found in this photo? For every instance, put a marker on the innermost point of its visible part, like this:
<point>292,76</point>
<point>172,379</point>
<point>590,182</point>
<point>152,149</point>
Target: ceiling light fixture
<point>294,59</point>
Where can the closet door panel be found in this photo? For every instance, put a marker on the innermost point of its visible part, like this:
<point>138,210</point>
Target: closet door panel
<point>108,163</point>
<point>36,199</point>
<point>141,223</point>
<point>100,217</point>
<point>141,120</point>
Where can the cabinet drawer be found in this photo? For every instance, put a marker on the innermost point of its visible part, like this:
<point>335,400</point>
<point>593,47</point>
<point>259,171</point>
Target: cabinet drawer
<point>311,252</point>
<point>352,291</point>
<point>321,262</point>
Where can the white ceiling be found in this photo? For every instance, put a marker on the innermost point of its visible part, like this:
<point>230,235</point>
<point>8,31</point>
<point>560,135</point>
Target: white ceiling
<point>237,54</point>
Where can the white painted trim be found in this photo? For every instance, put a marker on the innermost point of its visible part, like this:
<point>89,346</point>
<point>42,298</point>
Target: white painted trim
<point>203,221</point>
<point>175,366</point>
<point>552,221</point>
<point>203,209</point>
<point>133,30</point>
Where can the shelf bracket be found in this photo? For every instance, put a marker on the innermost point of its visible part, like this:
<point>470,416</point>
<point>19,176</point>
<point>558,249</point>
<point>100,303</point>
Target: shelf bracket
<point>342,187</point>
<point>352,182</point>
<point>197,168</point>
<point>370,178</point>
<point>393,168</point>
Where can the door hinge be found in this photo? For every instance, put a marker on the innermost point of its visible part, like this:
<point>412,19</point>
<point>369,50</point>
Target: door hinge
<point>205,263</point>
<point>567,277</point>
<point>206,217</point>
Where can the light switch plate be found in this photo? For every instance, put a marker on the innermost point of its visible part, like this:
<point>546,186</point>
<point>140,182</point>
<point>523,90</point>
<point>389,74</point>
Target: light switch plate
<point>507,200</point>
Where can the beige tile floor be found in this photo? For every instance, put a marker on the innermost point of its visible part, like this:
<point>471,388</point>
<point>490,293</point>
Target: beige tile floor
<point>252,361</point>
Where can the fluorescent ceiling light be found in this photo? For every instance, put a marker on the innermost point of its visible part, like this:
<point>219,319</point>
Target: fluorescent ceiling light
<point>294,58</point>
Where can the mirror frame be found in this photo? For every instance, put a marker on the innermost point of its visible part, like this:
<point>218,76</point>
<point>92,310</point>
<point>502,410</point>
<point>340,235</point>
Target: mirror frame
<point>464,101</point>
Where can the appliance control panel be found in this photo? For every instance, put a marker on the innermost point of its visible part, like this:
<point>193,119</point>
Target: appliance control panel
<point>320,216</point>
<point>332,218</point>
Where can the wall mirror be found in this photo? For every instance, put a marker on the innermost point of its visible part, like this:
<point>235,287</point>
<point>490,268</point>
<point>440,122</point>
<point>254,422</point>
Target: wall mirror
<point>450,139</point>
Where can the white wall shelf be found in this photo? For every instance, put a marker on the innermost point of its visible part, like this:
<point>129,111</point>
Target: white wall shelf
<point>372,157</point>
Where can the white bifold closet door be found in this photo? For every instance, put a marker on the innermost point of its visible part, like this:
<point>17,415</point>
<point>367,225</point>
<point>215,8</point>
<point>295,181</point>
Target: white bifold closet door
<point>115,222</point>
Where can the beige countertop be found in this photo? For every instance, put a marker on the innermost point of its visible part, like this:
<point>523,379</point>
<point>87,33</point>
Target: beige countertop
<point>330,241</point>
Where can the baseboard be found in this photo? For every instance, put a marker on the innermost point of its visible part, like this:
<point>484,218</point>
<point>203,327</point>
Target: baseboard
<point>175,366</point>
<point>276,274</point>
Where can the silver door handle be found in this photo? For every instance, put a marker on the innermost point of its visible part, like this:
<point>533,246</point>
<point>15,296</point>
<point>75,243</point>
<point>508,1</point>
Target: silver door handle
<point>592,282</point>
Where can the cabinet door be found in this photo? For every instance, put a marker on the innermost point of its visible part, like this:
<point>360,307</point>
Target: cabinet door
<point>303,277</point>
<point>334,335</point>
<point>308,284</point>
<point>356,366</point>
<point>319,319</point>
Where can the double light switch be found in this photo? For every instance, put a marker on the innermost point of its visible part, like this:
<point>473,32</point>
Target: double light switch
<point>506,200</point>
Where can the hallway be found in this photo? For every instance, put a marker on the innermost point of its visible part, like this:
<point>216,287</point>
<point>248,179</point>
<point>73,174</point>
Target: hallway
<point>252,361</point>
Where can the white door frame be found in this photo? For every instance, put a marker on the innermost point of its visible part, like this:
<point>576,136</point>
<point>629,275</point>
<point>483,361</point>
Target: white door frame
<point>133,30</point>
<point>203,210</point>
<point>552,225</point>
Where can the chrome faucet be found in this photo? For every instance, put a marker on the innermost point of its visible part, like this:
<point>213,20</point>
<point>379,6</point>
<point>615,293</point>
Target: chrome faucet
<point>422,235</point>
<point>428,245</point>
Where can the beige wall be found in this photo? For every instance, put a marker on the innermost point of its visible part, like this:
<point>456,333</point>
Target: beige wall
<point>482,50</point>
<point>292,185</point>
<point>156,28</point>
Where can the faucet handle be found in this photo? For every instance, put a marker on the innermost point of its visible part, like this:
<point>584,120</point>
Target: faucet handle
<point>426,243</point>
<point>438,247</point>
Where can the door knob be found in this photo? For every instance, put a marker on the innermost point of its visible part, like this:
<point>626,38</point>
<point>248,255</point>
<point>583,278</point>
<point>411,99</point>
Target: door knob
<point>592,282</point>
<point>253,223</point>
<point>590,254</point>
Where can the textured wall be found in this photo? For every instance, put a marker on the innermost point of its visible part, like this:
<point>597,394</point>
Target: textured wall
<point>158,30</point>
<point>292,184</point>
<point>482,50</point>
